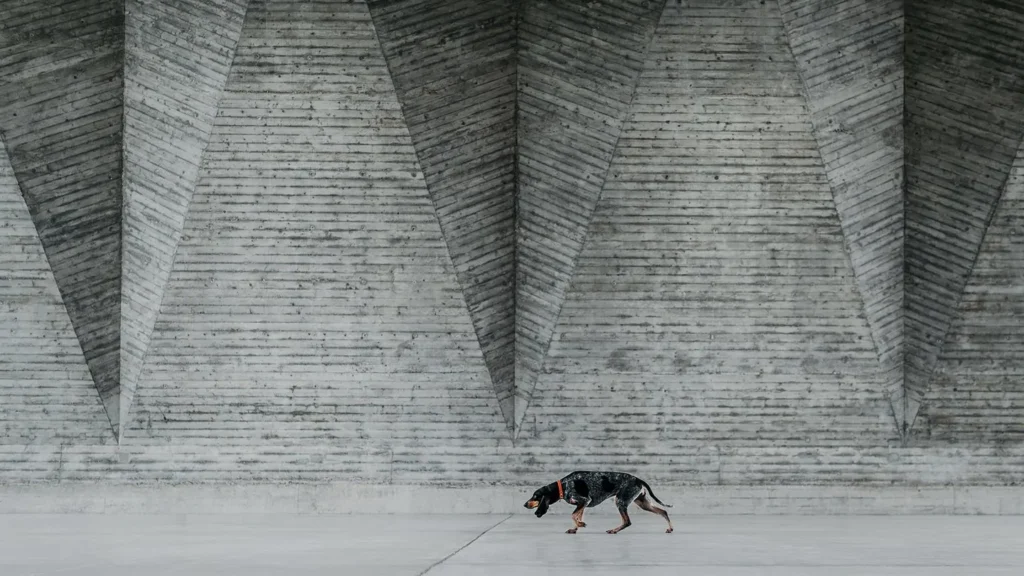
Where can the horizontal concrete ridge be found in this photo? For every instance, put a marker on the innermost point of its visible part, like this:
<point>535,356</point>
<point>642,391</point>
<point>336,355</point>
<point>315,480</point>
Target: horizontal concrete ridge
<point>61,97</point>
<point>334,498</point>
<point>403,461</point>
<point>454,67</point>
<point>965,106</point>
<point>177,57</point>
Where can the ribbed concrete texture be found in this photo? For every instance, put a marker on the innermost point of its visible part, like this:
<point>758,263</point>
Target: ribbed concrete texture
<point>177,56</point>
<point>714,304</point>
<point>976,394</point>
<point>477,244</point>
<point>850,56</point>
<point>453,63</point>
<point>431,463</point>
<point>46,394</point>
<point>60,118</point>
<point>965,106</point>
<point>312,301</point>
<point>578,67</point>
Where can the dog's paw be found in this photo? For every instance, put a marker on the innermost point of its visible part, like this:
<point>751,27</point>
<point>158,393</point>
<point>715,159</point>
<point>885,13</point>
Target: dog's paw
<point>669,531</point>
<point>570,531</point>
<point>581,524</point>
<point>612,531</point>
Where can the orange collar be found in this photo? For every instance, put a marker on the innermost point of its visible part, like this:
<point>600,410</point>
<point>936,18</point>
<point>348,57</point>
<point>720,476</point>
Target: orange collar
<point>561,491</point>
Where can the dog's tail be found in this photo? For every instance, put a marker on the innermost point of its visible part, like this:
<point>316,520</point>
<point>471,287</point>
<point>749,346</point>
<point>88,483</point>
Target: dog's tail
<point>651,492</point>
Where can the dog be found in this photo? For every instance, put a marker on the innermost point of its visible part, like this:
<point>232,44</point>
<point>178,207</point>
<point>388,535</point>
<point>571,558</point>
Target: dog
<point>588,489</point>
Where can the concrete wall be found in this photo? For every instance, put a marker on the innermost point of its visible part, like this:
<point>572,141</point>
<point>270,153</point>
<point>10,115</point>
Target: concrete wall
<point>46,394</point>
<point>714,305</point>
<point>578,69</point>
<point>313,302</point>
<point>965,121</point>
<point>454,68</point>
<point>177,57</point>
<point>975,395</point>
<point>461,243</point>
<point>61,102</point>
<point>850,57</point>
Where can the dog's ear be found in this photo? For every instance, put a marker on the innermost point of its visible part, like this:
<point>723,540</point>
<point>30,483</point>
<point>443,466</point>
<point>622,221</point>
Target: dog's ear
<point>542,508</point>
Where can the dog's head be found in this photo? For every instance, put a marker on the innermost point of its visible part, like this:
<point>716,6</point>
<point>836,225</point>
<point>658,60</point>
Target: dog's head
<point>542,498</point>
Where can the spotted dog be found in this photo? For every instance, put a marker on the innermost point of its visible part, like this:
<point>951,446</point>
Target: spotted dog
<point>588,489</point>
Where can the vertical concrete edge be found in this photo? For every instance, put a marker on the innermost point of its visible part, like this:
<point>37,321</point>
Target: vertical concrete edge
<point>531,386</point>
<point>893,394</point>
<point>126,403</point>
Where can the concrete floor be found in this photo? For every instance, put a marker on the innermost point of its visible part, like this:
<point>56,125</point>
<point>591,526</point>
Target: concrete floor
<point>505,545</point>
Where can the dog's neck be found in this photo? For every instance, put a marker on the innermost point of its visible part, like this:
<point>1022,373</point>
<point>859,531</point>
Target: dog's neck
<point>556,489</point>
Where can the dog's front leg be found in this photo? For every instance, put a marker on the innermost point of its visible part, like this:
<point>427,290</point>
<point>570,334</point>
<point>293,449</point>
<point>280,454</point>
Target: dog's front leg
<point>577,516</point>
<point>577,519</point>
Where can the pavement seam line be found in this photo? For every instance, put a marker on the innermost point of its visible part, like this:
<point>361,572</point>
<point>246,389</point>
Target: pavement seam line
<point>466,545</point>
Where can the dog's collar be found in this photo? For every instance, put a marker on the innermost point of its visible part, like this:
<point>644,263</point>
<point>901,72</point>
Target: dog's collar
<point>561,491</point>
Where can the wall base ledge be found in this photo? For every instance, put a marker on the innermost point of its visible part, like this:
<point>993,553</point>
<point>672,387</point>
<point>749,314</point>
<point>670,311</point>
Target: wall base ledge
<point>349,498</point>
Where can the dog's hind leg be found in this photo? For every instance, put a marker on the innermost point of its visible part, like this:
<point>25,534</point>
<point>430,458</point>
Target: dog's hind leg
<point>577,519</point>
<point>627,494</point>
<point>646,504</point>
<point>622,506</point>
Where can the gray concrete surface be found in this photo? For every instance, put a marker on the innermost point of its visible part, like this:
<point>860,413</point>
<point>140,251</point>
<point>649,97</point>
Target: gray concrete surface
<point>177,58</point>
<point>61,106</point>
<point>965,121</point>
<point>306,270</point>
<point>458,98</point>
<point>504,545</point>
<point>855,99</point>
